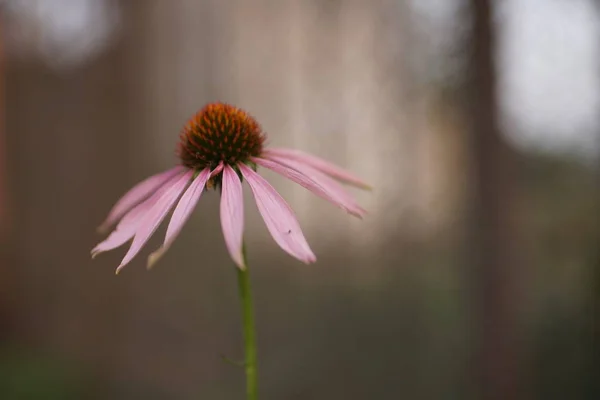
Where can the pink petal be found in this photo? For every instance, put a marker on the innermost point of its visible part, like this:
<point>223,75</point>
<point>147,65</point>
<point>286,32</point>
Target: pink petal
<point>217,170</point>
<point>155,215</point>
<point>128,225</point>
<point>313,181</point>
<point>136,195</point>
<point>232,214</point>
<point>181,214</point>
<point>124,231</point>
<point>319,164</point>
<point>325,181</point>
<point>278,216</point>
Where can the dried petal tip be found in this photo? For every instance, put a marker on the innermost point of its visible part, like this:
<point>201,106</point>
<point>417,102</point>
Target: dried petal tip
<point>154,257</point>
<point>220,133</point>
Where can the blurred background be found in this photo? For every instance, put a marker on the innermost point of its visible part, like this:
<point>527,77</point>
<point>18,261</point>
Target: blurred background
<point>476,274</point>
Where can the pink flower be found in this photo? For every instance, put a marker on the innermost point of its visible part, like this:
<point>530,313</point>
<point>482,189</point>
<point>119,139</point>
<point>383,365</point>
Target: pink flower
<point>219,148</point>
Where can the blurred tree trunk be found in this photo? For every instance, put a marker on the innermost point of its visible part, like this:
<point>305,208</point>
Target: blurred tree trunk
<point>5,275</point>
<point>594,309</point>
<point>594,315</point>
<point>3,194</point>
<point>491,229</point>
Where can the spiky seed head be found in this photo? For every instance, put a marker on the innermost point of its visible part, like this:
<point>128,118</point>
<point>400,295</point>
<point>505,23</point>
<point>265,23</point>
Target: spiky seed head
<point>220,132</point>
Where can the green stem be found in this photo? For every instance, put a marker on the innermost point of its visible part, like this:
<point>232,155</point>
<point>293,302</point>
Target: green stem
<point>249,330</point>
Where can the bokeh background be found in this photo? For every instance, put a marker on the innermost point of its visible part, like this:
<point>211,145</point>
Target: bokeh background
<point>476,274</point>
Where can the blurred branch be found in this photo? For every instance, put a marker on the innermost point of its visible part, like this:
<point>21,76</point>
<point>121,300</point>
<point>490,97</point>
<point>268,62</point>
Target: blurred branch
<point>491,246</point>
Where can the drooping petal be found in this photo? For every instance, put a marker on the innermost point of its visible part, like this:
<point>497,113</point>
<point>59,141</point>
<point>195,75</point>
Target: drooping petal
<point>153,218</point>
<point>182,212</point>
<point>232,214</point>
<point>278,216</point>
<point>325,181</point>
<point>130,222</point>
<point>332,185</point>
<point>313,181</point>
<point>124,231</point>
<point>321,165</point>
<point>136,195</point>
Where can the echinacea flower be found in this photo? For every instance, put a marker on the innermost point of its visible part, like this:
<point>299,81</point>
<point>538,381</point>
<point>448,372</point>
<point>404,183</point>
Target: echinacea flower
<point>220,147</point>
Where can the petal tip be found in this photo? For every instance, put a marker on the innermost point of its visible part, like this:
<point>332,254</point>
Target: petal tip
<point>95,252</point>
<point>239,260</point>
<point>240,265</point>
<point>359,214</point>
<point>154,258</point>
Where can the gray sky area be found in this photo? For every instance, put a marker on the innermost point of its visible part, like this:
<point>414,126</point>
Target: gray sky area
<point>550,66</point>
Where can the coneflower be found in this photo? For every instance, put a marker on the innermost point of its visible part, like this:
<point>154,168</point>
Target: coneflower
<point>220,147</point>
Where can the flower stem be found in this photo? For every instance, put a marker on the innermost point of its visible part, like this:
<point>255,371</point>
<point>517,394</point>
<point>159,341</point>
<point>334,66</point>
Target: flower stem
<point>250,364</point>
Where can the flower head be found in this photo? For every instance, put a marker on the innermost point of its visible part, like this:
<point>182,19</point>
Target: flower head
<point>220,133</point>
<point>220,147</point>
